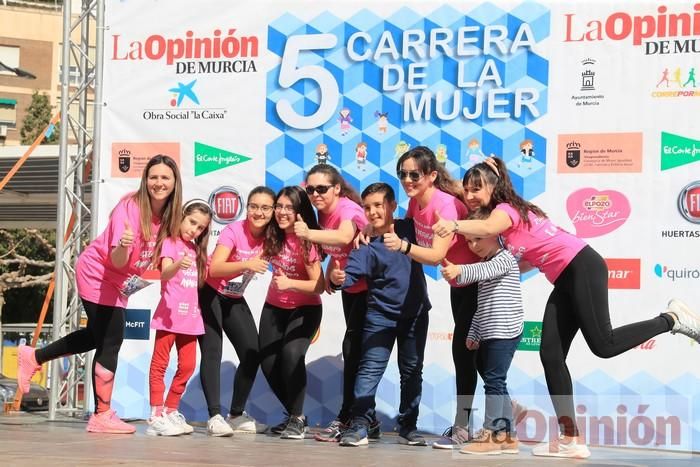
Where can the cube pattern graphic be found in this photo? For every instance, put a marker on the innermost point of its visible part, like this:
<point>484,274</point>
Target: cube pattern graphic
<point>670,405</point>
<point>290,155</point>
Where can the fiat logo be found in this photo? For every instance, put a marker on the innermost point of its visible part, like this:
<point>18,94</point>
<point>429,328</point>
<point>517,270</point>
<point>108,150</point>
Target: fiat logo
<point>689,202</point>
<point>226,203</point>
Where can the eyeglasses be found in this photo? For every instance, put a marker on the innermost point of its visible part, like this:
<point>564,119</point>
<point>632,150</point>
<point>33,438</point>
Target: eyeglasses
<point>285,208</point>
<point>265,208</point>
<point>320,189</point>
<point>414,175</point>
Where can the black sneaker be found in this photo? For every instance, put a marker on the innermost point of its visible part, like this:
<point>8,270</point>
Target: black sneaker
<point>374,431</point>
<point>412,438</point>
<point>355,436</point>
<point>332,433</point>
<point>279,428</point>
<point>296,428</point>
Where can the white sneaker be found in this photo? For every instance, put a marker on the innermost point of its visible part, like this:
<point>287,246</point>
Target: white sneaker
<point>162,426</point>
<point>687,322</point>
<point>217,426</point>
<point>558,448</point>
<point>244,423</point>
<point>177,419</point>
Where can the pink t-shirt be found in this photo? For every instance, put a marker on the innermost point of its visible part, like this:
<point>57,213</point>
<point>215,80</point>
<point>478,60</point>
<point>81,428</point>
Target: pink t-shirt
<point>291,261</point>
<point>178,309</point>
<point>544,245</point>
<point>98,280</point>
<point>243,245</point>
<point>346,209</point>
<point>450,208</point>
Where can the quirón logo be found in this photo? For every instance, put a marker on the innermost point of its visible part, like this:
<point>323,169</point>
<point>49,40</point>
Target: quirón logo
<point>674,274</point>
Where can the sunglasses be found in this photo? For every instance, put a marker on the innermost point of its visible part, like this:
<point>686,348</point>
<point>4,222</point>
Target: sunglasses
<point>414,175</point>
<point>320,189</point>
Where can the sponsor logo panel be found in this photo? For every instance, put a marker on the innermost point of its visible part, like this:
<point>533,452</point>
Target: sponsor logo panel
<point>532,335</point>
<point>677,150</point>
<point>210,158</point>
<point>599,153</point>
<point>226,204</point>
<point>129,159</point>
<point>595,213</point>
<point>137,324</point>
<point>623,273</point>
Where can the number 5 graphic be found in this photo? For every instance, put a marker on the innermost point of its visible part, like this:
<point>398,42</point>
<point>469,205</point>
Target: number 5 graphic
<point>290,74</point>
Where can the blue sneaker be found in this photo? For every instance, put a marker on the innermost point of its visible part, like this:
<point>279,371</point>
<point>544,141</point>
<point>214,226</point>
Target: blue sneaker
<point>411,438</point>
<point>355,436</point>
<point>453,438</point>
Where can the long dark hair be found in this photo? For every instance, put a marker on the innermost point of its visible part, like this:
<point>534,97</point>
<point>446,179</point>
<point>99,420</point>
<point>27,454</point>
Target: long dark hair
<point>274,235</point>
<point>427,162</point>
<point>201,243</point>
<point>336,179</point>
<point>482,174</point>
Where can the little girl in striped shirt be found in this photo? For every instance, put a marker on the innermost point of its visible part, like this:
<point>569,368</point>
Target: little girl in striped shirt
<point>495,331</point>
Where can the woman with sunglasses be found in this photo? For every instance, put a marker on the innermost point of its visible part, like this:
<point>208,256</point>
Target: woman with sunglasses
<point>341,217</point>
<point>291,314</point>
<point>435,195</point>
<point>235,261</point>
<point>107,272</point>
<point>579,299</point>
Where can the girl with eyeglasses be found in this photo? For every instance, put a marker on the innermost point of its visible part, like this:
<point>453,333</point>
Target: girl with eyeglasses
<point>291,314</point>
<point>340,217</point>
<point>177,318</point>
<point>435,195</point>
<point>579,300</point>
<point>107,272</point>
<point>235,261</point>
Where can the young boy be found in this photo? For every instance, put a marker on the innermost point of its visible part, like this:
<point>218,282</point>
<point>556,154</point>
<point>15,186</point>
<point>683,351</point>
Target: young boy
<point>397,310</point>
<point>496,331</point>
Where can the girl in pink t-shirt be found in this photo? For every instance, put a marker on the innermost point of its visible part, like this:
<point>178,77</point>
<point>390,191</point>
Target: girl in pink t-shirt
<point>580,296</point>
<point>234,263</point>
<point>341,218</point>
<point>107,273</point>
<point>177,319</point>
<point>435,195</point>
<point>292,311</point>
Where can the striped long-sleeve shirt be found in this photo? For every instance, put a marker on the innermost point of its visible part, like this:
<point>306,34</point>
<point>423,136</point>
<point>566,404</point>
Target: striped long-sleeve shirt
<point>499,314</point>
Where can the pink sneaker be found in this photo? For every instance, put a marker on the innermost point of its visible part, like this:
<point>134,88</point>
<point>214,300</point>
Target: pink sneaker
<point>108,422</point>
<point>26,367</point>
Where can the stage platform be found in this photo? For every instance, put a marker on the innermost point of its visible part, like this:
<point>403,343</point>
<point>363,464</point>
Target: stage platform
<point>31,439</point>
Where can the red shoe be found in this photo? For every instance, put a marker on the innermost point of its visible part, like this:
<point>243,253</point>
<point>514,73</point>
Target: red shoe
<point>108,422</point>
<point>27,366</point>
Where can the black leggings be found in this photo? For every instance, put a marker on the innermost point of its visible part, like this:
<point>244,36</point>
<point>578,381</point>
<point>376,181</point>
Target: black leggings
<point>104,333</point>
<point>355,311</point>
<point>233,317</point>
<point>463,301</point>
<point>580,301</point>
<point>285,336</point>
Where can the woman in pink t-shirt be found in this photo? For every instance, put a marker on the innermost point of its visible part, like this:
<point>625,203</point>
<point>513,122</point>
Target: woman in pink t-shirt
<point>234,263</point>
<point>292,312</point>
<point>107,273</point>
<point>177,320</point>
<point>434,194</point>
<point>341,217</point>
<point>580,296</point>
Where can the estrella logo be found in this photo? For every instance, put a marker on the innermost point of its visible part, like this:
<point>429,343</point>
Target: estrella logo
<point>181,91</point>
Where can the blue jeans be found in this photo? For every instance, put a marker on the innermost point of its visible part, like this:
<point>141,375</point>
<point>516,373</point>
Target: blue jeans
<point>493,360</point>
<point>380,332</point>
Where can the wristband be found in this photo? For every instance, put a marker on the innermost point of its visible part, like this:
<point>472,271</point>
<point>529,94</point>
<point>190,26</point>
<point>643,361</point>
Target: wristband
<point>408,247</point>
<point>456,226</point>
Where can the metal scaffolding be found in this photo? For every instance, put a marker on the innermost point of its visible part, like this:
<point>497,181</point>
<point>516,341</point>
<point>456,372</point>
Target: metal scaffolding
<point>76,188</point>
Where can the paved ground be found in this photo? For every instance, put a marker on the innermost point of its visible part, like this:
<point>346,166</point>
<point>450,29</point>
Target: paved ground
<point>30,439</point>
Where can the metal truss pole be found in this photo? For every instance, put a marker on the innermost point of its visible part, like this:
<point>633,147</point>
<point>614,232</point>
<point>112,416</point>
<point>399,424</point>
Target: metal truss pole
<point>75,191</point>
